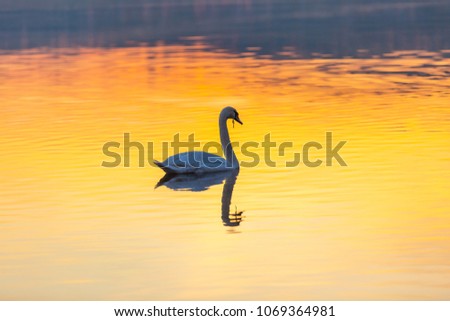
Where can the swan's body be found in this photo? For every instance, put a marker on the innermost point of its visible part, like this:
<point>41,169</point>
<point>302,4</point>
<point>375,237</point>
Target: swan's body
<point>190,162</point>
<point>202,162</point>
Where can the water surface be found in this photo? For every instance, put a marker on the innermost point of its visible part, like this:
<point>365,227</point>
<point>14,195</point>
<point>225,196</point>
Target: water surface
<point>375,229</point>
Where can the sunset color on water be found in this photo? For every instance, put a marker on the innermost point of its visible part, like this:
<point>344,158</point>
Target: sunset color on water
<point>375,229</point>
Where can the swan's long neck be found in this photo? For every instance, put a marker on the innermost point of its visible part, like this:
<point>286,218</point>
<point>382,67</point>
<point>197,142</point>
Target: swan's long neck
<point>226,144</point>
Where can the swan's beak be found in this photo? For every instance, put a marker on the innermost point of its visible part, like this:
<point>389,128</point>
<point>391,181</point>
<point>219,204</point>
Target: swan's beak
<point>238,120</point>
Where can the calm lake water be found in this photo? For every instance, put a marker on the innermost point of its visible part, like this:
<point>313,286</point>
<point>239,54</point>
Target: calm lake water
<point>376,229</point>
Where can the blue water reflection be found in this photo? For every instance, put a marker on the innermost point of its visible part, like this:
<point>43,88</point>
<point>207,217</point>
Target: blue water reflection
<point>280,28</point>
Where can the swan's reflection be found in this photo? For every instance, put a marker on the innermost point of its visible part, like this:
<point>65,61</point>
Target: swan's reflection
<point>198,183</point>
<point>230,219</point>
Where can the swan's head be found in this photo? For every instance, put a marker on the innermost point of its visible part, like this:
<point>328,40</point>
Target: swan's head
<point>231,113</point>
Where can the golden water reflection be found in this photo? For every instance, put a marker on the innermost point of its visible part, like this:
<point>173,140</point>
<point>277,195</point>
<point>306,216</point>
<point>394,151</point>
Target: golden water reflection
<point>376,229</point>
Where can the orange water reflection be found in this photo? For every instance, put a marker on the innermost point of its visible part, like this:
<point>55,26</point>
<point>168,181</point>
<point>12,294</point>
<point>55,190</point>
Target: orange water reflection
<point>71,229</point>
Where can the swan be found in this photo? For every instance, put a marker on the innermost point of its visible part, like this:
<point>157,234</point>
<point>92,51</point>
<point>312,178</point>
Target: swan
<point>201,162</point>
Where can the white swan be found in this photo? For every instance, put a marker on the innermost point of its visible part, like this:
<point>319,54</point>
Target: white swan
<point>202,162</point>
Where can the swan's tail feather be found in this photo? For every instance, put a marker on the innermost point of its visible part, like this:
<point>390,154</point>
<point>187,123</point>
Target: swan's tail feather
<point>168,170</point>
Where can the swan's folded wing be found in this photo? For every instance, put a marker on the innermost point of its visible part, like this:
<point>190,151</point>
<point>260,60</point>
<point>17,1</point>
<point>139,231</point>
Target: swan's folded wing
<point>199,160</point>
